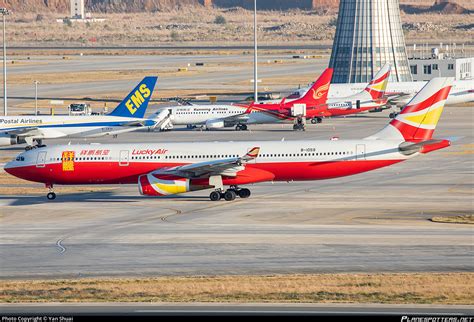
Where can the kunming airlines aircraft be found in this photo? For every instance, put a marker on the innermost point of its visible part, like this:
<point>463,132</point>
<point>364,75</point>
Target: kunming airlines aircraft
<point>127,116</point>
<point>240,115</point>
<point>162,169</point>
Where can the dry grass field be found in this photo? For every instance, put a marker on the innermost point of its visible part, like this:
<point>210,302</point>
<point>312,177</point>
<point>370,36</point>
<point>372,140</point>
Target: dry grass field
<point>463,219</point>
<point>198,26</point>
<point>419,288</point>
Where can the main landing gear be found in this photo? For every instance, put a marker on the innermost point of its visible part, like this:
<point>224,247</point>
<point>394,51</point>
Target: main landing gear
<point>241,127</point>
<point>230,194</point>
<point>51,195</point>
<point>316,120</point>
<point>39,144</point>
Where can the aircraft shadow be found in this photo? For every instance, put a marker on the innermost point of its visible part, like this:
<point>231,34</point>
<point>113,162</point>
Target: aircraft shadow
<point>95,197</point>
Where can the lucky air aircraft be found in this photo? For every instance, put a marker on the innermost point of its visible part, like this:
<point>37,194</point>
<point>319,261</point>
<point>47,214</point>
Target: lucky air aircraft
<point>240,115</point>
<point>162,169</point>
<point>127,116</point>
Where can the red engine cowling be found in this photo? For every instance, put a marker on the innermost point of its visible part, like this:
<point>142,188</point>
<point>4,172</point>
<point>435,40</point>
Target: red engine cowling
<point>156,184</point>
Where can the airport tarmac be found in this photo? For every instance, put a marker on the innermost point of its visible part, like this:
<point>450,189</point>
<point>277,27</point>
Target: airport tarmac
<point>371,222</point>
<point>220,72</point>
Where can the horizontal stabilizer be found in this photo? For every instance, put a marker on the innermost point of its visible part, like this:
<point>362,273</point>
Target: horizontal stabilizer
<point>409,148</point>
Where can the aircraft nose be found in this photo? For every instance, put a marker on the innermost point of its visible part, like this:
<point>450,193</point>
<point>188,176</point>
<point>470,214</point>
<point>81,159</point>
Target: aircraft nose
<point>8,167</point>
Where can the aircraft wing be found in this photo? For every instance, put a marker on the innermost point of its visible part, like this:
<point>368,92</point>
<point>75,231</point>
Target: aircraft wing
<point>398,97</point>
<point>236,118</point>
<point>228,167</point>
<point>139,123</point>
<point>125,127</point>
<point>26,131</point>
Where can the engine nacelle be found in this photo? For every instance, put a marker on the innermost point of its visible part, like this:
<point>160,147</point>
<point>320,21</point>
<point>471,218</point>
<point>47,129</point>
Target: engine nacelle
<point>156,184</point>
<point>215,124</point>
<point>10,140</point>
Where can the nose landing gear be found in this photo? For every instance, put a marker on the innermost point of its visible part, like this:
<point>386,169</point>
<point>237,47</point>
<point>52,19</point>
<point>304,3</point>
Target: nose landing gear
<point>51,195</point>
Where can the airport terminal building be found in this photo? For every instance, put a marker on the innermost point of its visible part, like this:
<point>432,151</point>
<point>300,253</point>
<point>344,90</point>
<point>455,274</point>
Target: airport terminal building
<point>368,35</point>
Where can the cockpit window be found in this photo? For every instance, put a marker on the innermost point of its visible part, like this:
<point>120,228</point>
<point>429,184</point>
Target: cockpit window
<point>20,158</point>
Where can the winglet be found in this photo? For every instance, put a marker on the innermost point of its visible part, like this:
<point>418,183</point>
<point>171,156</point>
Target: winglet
<point>252,154</point>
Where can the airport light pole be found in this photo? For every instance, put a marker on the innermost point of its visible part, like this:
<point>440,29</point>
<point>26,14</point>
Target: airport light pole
<point>36,97</point>
<point>4,12</point>
<point>255,75</point>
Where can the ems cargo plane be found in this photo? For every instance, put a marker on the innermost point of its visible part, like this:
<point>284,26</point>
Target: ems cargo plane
<point>162,169</point>
<point>126,117</point>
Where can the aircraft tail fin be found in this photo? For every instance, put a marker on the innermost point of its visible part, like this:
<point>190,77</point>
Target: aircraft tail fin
<point>136,102</point>
<point>418,119</point>
<point>318,93</point>
<point>377,86</point>
<point>251,154</point>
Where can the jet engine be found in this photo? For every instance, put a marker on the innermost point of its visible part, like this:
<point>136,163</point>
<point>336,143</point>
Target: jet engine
<point>156,184</point>
<point>215,124</point>
<point>10,140</point>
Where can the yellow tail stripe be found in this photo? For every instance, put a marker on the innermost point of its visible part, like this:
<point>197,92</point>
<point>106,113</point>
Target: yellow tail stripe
<point>429,118</point>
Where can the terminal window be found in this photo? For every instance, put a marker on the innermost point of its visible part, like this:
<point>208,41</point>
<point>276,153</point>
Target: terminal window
<point>427,69</point>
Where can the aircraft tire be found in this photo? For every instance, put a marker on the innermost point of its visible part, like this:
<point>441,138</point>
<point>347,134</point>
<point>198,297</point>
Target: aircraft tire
<point>244,193</point>
<point>215,196</point>
<point>230,195</point>
<point>51,196</point>
<point>314,121</point>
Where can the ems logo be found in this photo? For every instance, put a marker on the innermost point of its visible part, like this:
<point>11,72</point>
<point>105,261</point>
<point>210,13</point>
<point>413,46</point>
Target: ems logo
<point>68,160</point>
<point>137,99</point>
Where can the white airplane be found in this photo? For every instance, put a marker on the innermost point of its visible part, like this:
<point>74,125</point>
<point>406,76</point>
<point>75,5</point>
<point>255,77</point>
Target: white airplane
<point>162,169</point>
<point>315,100</point>
<point>400,93</point>
<point>126,117</point>
<point>240,115</point>
<point>368,95</point>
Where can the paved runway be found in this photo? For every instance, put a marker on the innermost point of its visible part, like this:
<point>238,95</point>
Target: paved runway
<point>372,222</point>
<point>223,77</point>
